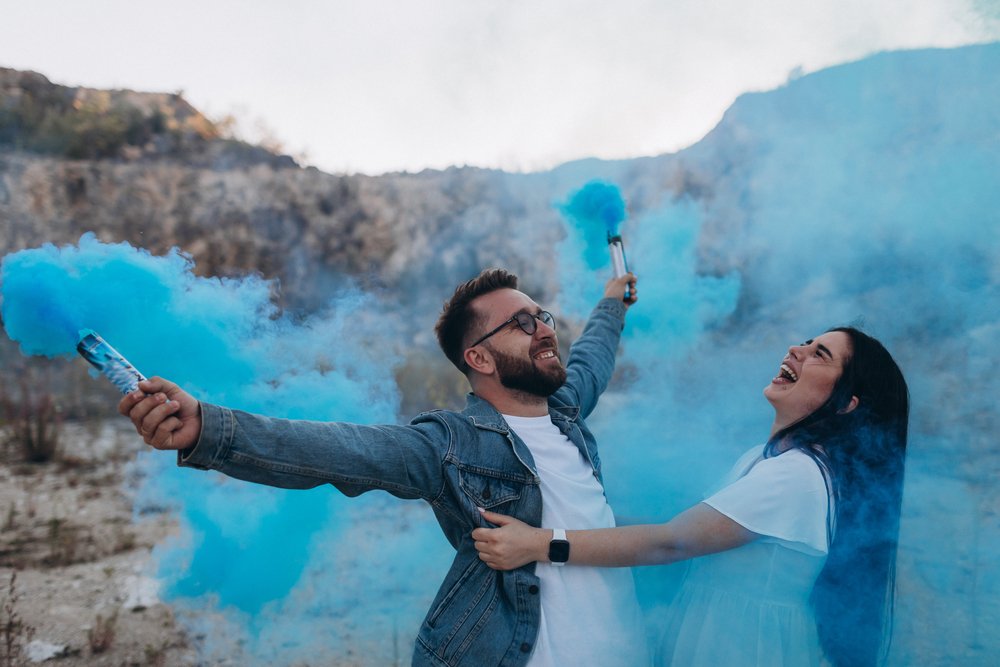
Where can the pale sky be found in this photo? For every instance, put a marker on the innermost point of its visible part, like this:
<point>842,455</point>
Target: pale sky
<point>389,85</point>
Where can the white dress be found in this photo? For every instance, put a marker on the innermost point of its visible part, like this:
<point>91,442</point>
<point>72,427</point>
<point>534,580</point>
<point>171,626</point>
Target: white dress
<point>750,605</point>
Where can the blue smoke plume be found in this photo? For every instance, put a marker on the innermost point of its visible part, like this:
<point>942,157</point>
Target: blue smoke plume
<point>262,560</point>
<point>595,210</point>
<point>846,197</point>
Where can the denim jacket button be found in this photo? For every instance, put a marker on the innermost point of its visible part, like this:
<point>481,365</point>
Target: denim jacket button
<point>533,589</point>
<point>486,494</point>
<point>525,647</point>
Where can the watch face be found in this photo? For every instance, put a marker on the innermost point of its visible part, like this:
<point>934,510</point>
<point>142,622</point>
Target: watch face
<point>558,551</point>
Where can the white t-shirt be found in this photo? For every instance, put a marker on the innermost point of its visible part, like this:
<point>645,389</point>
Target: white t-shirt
<point>590,615</point>
<point>784,498</point>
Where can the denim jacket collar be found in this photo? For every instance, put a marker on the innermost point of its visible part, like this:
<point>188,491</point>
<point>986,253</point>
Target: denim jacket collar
<point>482,413</point>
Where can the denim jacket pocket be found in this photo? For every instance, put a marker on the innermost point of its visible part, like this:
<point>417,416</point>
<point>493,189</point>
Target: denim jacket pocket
<point>456,622</point>
<point>488,488</point>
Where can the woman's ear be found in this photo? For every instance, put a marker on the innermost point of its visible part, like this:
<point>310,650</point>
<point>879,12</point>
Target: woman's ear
<point>851,404</point>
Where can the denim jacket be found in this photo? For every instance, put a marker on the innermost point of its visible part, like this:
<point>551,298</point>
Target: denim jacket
<point>456,461</point>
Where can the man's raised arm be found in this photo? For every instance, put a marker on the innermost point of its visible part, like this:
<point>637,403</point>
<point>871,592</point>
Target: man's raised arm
<point>592,357</point>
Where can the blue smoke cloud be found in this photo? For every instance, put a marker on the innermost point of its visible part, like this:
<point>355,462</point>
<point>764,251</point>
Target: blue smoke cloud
<point>261,560</point>
<point>862,194</point>
<point>595,210</point>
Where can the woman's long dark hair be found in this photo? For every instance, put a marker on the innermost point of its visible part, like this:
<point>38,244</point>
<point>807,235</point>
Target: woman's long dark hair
<point>861,453</point>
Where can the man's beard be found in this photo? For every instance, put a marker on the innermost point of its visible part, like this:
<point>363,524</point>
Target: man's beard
<point>522,375</point>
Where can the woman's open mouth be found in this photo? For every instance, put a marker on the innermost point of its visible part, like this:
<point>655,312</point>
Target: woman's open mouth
<point>785,375</point>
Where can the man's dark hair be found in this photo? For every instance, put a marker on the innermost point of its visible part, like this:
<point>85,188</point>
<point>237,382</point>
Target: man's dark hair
<point>458,317</point>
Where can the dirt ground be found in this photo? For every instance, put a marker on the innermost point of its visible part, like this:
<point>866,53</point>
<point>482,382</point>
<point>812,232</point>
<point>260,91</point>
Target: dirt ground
<point>74,561</point>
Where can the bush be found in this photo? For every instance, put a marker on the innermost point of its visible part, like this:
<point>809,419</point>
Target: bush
<point>42,117</point>
<point>14,632</point>
<point>102,635</point>
<point>32,417</point>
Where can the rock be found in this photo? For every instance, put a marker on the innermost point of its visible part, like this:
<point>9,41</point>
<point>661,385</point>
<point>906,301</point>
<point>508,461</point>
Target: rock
<point>140,592</point>
<point>39,650</point>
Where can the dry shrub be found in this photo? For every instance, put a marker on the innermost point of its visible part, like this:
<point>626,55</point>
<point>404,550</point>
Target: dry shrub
<point>32,417</point>
<point>15,634</point>
<point>102,635</point>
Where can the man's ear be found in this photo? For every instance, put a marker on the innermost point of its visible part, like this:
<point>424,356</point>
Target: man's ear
<point>479,359</point>
<point>851,404</point>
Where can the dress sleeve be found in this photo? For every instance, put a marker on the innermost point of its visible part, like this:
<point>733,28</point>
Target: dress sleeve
<point>784,498</point>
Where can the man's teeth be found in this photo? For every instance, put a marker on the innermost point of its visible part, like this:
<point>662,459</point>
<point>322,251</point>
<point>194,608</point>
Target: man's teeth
<point>788,373</point>
<point>547,354</point>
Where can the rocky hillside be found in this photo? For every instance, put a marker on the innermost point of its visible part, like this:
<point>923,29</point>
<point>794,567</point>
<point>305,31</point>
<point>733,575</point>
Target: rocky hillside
<point>149,169</point>
<point>39,116</point>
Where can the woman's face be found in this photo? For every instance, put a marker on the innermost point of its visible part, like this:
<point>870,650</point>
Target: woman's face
<point>806,377</point>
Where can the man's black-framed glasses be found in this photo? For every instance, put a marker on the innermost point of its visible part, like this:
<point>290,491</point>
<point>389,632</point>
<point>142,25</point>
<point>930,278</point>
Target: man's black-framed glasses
<point>527,322</point>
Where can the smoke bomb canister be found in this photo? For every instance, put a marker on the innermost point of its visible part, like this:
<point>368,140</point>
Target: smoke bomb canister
<point>618,262</point>
<point>109,361</point>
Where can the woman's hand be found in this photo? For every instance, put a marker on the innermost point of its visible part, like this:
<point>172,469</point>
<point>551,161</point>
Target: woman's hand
<point>512,545</point>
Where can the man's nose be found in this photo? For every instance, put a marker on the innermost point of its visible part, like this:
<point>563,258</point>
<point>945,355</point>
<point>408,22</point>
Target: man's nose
<point>543,330</point>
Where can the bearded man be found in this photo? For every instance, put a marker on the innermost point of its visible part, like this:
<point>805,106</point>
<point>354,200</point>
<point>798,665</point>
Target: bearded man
<point>520,447</point>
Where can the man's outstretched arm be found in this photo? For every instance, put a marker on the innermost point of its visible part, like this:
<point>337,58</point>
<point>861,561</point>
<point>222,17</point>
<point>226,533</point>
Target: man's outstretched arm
<point>403,460</point>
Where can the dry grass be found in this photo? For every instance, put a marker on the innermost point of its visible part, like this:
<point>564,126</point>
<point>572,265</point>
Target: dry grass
<point>15,634</point>
<point>102,635</point>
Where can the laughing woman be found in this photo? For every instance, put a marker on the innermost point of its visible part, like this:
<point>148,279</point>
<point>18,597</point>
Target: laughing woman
<point>794,558</point>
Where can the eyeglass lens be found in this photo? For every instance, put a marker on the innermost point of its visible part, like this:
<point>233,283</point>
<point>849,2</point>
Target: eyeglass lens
<point>528,322</point>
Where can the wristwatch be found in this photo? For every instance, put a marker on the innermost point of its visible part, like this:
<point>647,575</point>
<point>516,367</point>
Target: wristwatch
<point>558,547</point>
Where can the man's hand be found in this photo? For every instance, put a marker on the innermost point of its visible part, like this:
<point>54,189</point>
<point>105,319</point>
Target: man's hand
<point>615,288</point>
<point>166,416</point>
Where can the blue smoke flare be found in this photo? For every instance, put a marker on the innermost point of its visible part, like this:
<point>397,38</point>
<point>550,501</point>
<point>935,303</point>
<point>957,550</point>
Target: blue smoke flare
<point>596,209</point>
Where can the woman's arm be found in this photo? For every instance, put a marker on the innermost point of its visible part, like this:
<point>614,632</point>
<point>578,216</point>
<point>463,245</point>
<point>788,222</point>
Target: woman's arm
<point>697,531</point>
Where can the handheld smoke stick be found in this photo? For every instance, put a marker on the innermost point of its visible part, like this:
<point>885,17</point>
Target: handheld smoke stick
<point>109,361</point>
<point>618,262</point>
<point>598,207</point>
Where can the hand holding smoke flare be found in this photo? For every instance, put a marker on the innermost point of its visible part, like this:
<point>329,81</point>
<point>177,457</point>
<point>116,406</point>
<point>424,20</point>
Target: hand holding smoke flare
<point>618,262</point>
<point>109,361</point>
<point>598,208</point>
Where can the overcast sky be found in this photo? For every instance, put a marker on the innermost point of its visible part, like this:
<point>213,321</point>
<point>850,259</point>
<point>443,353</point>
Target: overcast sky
<point>378,85</point>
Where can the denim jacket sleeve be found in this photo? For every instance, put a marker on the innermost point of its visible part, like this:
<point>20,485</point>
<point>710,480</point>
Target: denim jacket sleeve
<point>592,357</point>
<point>406,461</point>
